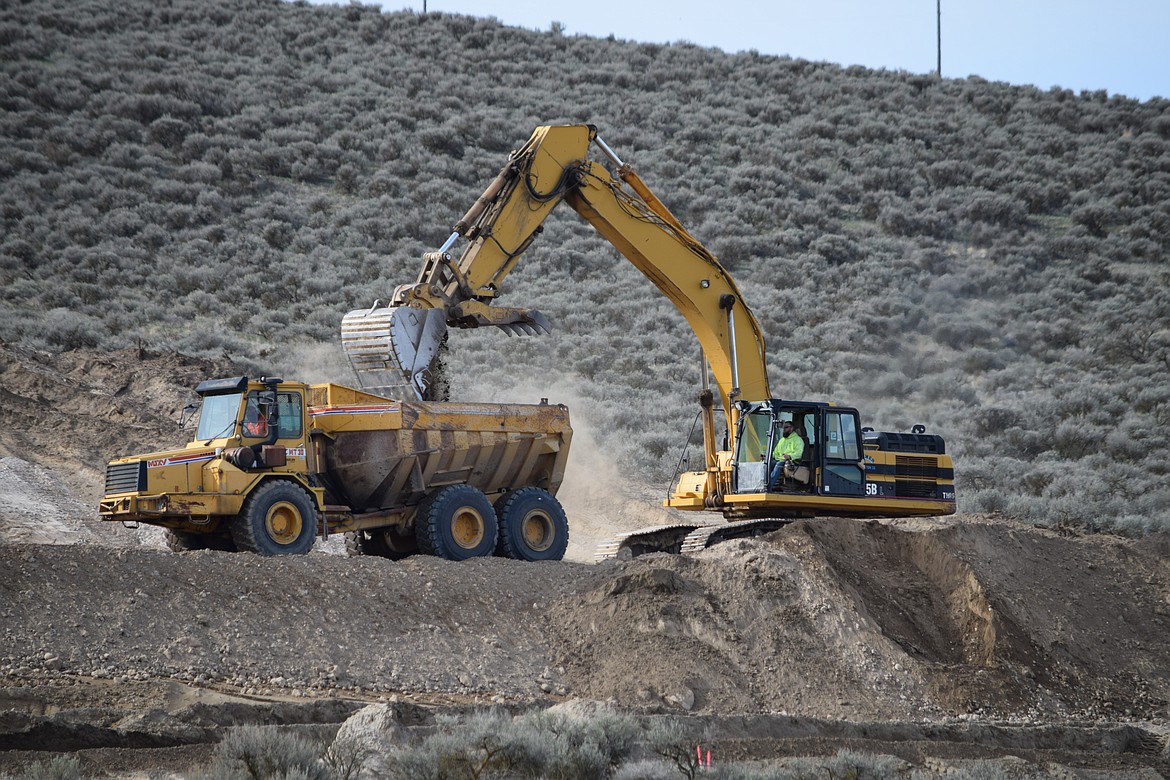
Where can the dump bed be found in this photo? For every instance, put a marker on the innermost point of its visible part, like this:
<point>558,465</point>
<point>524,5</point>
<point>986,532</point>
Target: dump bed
<point>372,454</point>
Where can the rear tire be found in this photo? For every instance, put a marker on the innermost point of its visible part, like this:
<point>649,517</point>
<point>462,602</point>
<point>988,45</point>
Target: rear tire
<point>533,526</point>
<point>456,522</point>
<point>391,542</point>
<point>278,518</point>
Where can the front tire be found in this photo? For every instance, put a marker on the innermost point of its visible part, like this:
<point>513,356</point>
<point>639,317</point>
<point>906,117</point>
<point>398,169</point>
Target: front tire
<point>533,526</point>
<point>456,523</point>
<point>278,518</point>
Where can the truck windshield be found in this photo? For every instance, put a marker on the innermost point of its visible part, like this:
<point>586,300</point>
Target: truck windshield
<point>217,417</point>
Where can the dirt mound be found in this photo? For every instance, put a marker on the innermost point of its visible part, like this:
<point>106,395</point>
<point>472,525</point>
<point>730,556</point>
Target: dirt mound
<point>841,618</point>
<point>828,619</point>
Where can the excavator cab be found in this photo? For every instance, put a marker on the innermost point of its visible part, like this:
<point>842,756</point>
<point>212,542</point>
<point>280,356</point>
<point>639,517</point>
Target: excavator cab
<point>832,460</point>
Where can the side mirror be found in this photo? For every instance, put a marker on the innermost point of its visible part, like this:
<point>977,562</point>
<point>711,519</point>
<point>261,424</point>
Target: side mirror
<point>187,414</point>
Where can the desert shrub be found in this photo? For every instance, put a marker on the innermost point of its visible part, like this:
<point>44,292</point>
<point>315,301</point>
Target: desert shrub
<point>1095,217</point>
<point>494,744</point>
<point>973,770</point>
<point>676,748</point>
<point>62,328</point>
<point>678,757</point>
<point>265,753</point>
<point>994,209</point>
<point>56,768</point>
<point>859,766</point>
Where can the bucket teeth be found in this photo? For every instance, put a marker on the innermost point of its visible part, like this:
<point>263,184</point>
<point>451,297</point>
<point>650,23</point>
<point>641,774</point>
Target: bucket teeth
<point>539,323</point>
<point>536,325</point>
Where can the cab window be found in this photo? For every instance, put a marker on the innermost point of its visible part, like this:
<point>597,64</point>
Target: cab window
<point>217,416</point>
<point>289,424</point>
<point>753,440</point>
<point>841,438</point>
<point>259,415</point>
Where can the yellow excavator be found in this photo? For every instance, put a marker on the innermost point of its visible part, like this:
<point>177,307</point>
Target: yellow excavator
<point>842,468</point>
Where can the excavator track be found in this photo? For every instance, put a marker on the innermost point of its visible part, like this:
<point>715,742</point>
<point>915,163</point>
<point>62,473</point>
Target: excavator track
<point>682,538</point>
<point>656,538</point>
<point>705,536</point>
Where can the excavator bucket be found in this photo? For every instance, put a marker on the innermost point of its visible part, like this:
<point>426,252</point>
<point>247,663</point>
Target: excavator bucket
<point>392,349</point>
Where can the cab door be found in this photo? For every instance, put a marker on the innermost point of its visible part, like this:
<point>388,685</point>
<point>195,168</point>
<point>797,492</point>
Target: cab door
<point>841,454</point>
<point>290,429</point>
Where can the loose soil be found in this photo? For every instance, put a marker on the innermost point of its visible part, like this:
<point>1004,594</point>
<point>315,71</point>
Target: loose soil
<point>942,640</point>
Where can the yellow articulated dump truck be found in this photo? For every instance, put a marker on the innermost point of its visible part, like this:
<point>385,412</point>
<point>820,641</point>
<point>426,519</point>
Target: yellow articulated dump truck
<point>275,464</point>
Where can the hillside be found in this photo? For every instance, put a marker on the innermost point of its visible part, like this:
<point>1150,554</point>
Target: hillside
<point>231,178</point>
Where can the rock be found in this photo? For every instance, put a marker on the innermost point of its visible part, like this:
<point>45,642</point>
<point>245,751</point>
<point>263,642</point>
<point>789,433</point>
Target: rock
<point>160,725</point>
<point>581,709</point>
<point>683,698</point>
<point>367,739</point>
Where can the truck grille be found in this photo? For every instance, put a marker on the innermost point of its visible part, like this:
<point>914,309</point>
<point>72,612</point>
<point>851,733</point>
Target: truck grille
<point>126,477</point>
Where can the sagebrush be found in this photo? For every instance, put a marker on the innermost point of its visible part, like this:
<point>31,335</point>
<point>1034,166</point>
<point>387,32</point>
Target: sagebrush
<point>986,259</point>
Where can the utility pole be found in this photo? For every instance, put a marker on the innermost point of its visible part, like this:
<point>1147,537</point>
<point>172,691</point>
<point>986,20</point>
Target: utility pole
<point>938,7</point>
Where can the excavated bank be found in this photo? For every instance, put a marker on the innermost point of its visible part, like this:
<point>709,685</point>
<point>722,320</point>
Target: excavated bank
<point>866,619</point>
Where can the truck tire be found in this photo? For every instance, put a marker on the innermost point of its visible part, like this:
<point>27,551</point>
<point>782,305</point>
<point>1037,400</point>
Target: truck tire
<point>278,518</point>
<point>390,542</point>
<point>533,526</point>
<point>456,523</point>
<point>185,541</point>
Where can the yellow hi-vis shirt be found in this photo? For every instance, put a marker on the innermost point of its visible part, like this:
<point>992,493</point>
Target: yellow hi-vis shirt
<point>791,445</point>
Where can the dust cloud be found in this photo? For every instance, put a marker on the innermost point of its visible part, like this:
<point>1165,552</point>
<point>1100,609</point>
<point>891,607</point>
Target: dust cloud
<point>598,498</point>
<point>315,363</point>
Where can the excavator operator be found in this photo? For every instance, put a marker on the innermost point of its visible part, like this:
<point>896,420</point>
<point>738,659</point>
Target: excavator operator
<point>789,449</point>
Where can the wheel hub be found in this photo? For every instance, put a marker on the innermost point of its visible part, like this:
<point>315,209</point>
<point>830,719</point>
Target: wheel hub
<point>283,523</point>
<point>538,531</point>
<point>467,528</point>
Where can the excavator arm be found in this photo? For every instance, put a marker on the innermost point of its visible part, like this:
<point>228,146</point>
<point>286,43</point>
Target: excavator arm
<point>553,166</point>
<point>657,244</point>
<point>499,227</point>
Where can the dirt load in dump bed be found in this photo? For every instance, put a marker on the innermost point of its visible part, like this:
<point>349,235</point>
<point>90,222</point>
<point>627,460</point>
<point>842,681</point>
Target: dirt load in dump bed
<point>972,637</point>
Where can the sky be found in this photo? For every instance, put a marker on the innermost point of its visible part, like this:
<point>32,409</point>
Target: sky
<point>1121,46</point>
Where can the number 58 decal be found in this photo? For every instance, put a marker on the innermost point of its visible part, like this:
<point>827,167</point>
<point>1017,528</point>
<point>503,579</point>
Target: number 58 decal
<point>871,488</point>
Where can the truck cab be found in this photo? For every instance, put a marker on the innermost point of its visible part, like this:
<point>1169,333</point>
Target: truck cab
<point>250,432</point>
<point>261,423</point>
